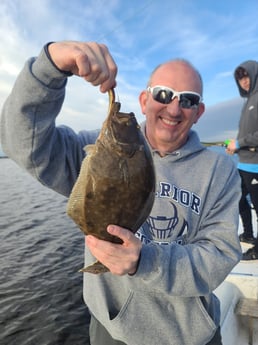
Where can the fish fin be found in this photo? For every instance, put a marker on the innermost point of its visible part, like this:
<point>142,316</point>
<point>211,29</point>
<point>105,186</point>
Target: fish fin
<point>96,268</point>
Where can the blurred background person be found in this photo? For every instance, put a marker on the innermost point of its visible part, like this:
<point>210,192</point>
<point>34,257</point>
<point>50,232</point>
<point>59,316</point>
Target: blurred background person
<point>246,146</point>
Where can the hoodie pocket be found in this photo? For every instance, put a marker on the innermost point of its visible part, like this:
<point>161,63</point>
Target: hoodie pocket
<point>149,318</point>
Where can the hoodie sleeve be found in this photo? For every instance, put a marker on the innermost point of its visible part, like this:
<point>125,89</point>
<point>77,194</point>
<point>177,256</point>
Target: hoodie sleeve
<point>28,132</point>
<point>248,128</point>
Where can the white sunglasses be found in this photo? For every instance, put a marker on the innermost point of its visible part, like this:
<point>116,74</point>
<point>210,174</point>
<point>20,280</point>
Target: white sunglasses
<point>165,95</point>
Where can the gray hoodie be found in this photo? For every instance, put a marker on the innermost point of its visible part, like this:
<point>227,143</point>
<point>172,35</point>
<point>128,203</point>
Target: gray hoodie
<point>190,241</point>
<point>248,125</point>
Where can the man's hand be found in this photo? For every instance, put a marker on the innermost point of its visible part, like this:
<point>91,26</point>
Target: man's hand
<point>231,147</point>
<point>120,259</point>
<point>89,60</point>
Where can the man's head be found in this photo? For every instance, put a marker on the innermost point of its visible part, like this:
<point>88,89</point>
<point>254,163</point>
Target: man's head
<point>172,104</point>
<point>246,77</point>
<point>242,78</point>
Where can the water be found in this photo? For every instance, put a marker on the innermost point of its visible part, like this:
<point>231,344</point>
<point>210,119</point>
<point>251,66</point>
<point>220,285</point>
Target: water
<point>41,251</point>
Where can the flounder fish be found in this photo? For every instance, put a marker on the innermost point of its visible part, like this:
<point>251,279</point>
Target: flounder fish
<point>116,183</point>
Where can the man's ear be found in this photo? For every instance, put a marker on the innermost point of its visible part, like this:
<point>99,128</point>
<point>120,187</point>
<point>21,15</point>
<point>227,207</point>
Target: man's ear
<point>142,100</point>
<point>201,109</point>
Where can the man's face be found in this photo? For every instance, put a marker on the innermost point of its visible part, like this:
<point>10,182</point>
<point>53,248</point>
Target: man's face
<point>245,83</point>
<point>168,125</point>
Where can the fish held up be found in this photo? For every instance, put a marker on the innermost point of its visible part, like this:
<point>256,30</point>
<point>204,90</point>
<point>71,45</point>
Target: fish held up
<point>116,183</point>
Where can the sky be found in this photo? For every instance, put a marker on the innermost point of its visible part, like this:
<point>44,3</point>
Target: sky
<point>215,36</point>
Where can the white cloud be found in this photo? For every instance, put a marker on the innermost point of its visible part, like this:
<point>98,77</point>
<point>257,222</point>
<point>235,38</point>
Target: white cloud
<point>216,37</point>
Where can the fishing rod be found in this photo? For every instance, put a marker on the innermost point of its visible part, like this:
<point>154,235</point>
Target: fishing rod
<point>225,144</point>
<point>214,143</point>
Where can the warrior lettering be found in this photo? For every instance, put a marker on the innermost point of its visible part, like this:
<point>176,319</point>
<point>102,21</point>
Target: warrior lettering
<point>182,196</point>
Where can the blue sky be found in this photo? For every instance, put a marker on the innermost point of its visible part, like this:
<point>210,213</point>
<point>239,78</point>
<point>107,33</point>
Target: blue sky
<point>214,36</point>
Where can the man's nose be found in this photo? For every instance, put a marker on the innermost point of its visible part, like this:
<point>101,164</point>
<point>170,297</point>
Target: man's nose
<point>174,106</point>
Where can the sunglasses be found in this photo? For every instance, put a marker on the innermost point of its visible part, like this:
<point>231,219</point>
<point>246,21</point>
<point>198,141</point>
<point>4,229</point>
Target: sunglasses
<point>165,95</point>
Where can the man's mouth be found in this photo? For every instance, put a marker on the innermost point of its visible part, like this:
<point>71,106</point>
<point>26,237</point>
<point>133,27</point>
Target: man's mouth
<point>169,122</point>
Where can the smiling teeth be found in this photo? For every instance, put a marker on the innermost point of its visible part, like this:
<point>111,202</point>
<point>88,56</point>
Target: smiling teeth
<point>171,123</point>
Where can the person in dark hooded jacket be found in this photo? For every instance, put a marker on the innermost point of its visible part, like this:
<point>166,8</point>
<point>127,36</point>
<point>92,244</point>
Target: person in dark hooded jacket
<point>246,145</point>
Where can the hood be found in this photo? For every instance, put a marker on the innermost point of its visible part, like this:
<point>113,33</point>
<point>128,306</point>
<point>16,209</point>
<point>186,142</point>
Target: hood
<point>251,68</point>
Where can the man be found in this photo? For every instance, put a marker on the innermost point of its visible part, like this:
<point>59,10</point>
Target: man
<point>159,289</point>
<point>246,146</point>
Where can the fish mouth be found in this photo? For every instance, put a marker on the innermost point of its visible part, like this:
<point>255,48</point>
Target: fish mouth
<point>123,127</point>
<point>124,118</point>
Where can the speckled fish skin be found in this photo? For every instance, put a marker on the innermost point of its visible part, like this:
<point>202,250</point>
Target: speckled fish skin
<point>116,184</point>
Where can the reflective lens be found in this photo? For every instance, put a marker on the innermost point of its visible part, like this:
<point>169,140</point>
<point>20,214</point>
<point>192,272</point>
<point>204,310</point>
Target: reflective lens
<point>165,95</point>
